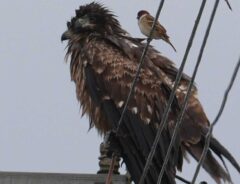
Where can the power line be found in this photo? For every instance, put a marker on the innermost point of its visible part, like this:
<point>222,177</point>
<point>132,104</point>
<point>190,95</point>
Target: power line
<point>140,65</point>
<point>185,102</point>
<point>228,4</point>
<point>135,79</point>
<point>172,95</point>
<point>209,134</point>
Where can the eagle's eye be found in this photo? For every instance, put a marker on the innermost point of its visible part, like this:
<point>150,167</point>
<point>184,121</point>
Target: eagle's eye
<point>68,24</point>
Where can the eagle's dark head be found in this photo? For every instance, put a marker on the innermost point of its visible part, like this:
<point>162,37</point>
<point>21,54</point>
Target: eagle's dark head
<point>92,18</point>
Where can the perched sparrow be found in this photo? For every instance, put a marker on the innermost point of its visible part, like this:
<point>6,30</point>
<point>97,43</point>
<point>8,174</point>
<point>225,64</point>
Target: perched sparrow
<point>145,21</point>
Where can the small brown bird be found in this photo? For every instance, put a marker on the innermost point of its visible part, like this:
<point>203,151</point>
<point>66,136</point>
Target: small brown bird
<point>145,21</point>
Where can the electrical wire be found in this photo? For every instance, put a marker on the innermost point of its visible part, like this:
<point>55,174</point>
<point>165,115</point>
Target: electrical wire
<point>185,102</point>
<point>172,95</point>
<point>209,134</point>
<point>140,65</point>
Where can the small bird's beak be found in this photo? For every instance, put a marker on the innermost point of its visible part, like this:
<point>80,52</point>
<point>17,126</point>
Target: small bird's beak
<point>65,36</point>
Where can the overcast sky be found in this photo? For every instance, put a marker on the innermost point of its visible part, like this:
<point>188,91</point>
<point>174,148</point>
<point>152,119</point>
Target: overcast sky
<point>41,129</point>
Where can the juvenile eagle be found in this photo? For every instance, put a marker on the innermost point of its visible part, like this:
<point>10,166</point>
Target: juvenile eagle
<point>103,63</point>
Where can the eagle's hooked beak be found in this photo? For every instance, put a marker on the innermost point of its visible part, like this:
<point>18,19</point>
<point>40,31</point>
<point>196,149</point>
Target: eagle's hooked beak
<point>65,36</point>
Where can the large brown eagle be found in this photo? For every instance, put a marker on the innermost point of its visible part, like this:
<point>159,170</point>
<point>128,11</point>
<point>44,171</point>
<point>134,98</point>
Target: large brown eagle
<point>103,63</point>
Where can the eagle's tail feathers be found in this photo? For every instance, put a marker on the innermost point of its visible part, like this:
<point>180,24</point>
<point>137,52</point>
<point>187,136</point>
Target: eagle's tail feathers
<point>210,164</point>
<point>220,150</point>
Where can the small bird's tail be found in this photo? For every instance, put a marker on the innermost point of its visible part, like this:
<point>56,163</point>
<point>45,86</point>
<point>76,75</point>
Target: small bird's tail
<point>211,165</point>
<point>166,39</point>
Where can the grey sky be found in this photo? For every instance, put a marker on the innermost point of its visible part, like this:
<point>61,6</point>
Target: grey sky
<point>41,127</point>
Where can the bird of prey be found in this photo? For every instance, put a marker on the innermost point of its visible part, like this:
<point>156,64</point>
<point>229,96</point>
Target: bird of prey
<point>103,61</point>
<point>145,22</point>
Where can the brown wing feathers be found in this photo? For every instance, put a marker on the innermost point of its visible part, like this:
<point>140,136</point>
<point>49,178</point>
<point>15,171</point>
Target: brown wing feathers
<point>137,134</point>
